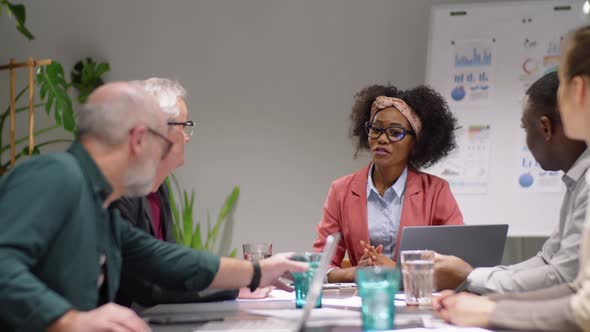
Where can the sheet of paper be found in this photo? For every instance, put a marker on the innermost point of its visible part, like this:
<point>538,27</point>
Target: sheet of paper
<point>471,73</point>
<point>444,329</point>
<point>467,167</point>
<point>531,177</point>
<point>340,285</point>
<point>274,295</point>
<point>316,314</point>
<point>356,302</point>
<point>349,302</point>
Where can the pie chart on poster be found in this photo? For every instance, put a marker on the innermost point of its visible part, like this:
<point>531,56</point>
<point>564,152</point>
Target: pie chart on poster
<point>526,180</point>
<point>529,66</point>
<point>458,93</point>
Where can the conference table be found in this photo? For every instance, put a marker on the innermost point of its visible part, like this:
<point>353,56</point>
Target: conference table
<point>240,310</point>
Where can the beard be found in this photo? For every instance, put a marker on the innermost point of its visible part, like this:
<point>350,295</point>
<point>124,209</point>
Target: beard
<point>140,179</point>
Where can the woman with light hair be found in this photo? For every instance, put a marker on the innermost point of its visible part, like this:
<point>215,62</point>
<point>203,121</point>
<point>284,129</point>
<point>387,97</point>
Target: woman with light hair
<point>153,213</point>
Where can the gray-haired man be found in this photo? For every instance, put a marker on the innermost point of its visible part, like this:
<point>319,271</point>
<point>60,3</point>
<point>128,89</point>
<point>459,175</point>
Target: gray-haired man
<point>153,214</point>
<point>62,250</point>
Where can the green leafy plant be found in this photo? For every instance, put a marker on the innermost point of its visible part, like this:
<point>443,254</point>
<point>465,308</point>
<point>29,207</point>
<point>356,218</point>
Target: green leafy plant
<point>87,76</point>
<point>189,233</point>
<point>54,98</point>
<point>54,92</point>
<point>20,15</point>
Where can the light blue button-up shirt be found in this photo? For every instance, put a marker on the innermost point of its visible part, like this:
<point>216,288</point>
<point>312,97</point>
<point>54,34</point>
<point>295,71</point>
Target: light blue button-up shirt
<point>384,213</point>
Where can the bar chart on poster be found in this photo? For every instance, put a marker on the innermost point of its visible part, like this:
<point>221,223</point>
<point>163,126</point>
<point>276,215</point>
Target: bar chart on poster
<point>482,58</point>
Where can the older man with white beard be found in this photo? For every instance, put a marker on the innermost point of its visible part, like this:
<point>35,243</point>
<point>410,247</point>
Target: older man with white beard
<point>62,250</point>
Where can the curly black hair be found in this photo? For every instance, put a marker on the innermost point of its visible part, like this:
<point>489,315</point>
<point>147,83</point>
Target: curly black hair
<point>437,137</point>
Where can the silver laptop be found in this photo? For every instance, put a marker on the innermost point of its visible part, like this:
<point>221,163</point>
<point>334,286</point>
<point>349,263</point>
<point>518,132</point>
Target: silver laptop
<point>284,324</point>
<point>478,245</point>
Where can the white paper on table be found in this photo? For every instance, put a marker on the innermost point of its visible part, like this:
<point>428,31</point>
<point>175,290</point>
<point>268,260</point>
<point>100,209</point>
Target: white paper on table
<point>354,302</point>
<point>400,300</point>
<point>339,285</point>
<point>402,296</point>
<point>337,317</point>
<point>348,302</point>
<point>274,295</point>
<point>451,328</point>
<point>316,314</point>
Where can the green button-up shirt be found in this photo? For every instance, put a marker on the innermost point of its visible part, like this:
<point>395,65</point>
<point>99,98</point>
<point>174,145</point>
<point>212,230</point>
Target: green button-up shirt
<point>54,229</point>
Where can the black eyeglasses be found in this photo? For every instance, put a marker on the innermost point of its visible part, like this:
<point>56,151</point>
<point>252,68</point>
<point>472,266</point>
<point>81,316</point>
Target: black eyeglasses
<point>393,133</point>
<point>187,127</point>
<point>168,142</point>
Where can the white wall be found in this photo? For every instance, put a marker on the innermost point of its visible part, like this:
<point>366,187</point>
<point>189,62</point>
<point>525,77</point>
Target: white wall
<point>270,85</point>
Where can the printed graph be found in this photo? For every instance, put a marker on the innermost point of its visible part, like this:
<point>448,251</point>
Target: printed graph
<point>474,57</point>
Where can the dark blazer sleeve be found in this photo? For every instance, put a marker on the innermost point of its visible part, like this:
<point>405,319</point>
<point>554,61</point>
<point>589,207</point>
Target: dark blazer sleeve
<point>148,294</point>
<point>167,219</point>
<point>131,209</point>
<point>132,289</point>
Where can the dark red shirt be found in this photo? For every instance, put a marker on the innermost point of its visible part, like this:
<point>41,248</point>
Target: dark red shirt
<point>156,209</point>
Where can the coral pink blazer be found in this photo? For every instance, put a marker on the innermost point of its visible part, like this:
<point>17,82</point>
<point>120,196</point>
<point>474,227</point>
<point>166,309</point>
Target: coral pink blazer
<point>428,201</point>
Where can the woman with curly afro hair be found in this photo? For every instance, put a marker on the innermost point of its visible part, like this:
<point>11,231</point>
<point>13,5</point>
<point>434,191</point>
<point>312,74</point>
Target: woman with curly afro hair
<point>404,131</point>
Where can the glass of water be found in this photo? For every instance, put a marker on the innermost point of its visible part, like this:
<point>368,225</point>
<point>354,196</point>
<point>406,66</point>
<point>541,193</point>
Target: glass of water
<point>418,276</point>
<point>377,287</point>
<point>257,251</point>
<point>302,280</point>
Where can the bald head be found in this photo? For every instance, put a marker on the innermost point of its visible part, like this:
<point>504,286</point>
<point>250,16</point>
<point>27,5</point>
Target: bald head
<point>103,93</point>
<point>115,108</point>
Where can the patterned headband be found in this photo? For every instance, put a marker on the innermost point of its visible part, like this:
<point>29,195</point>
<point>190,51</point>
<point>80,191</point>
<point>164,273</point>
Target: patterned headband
<point>383,102</point>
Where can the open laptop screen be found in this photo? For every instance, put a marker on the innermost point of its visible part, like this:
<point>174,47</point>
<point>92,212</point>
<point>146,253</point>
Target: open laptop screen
<point>478,245</point>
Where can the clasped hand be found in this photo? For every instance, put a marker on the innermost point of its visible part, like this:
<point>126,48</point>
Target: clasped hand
<point>374,256</point>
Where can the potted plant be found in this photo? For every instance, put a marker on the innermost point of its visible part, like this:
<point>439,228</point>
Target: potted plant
<point>53,92</point>
<point>190,233</point>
